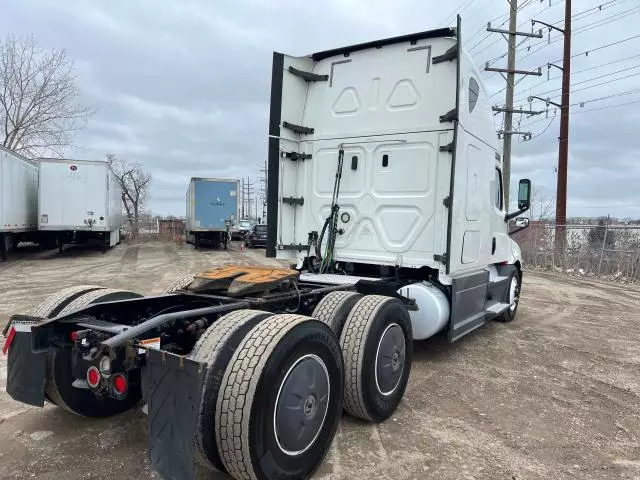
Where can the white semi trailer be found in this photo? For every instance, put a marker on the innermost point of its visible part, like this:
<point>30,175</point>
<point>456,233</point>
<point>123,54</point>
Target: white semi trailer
<point>79,201</point>
<point>385,190</point>
<point>18,200</point>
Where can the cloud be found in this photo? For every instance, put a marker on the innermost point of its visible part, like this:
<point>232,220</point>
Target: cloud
<point>183,87</point>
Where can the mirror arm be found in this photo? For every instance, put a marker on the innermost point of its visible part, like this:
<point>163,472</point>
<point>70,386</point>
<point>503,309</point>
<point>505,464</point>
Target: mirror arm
<point>510,216</point>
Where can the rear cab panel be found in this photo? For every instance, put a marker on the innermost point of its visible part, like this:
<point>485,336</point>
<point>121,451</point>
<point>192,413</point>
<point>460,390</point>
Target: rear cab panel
<point>376,105</point>
<point>415,126</point>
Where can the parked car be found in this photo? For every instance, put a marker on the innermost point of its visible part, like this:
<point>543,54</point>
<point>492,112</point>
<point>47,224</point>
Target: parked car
<point>241,229</point>
<point>257,237</point>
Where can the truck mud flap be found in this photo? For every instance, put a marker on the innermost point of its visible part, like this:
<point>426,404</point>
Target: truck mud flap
<point>175,390</point>
<point>25,368</point>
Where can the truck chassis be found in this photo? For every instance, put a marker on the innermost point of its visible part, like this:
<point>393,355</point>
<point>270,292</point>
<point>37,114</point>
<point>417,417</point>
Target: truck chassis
<point>232,343</point>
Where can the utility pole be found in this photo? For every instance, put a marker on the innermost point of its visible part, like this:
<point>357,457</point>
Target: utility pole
<point>508,114</point>
<point>511,71</point>
<point>563,149</point>
<point>242,196</point>
<point>265,174</point>
<point>248,197</point>
<point>263,189</point>
<point>563,140</point>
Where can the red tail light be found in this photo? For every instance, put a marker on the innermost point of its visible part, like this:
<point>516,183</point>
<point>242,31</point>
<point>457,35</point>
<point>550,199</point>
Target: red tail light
<point>93,377</point>
<point>73,336</point>
<point>7,343</point>
<point>120,384</point>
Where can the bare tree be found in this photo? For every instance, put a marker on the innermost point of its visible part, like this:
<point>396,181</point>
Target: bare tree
<point>135,183</point>
<point>542,207</point>
<point>40,108</point>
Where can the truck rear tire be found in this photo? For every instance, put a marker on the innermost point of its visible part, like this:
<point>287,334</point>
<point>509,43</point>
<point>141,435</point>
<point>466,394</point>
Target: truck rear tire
<point>79,401</point>
<point>180,283</point>
<point>377,344</point>
<point>97,296</point>
<point>4,246</point>
<point>215,348</point>
<point>59,388</point>
<point>54,304</point>
<point>334,309</point>
<point>287,373</point>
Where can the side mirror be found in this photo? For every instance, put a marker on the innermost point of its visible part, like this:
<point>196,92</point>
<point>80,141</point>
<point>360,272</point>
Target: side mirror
<point>524,194</point>
<point>522,222</point>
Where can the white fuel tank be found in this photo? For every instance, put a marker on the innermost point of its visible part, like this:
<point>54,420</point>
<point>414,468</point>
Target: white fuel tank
<point>433,309</point>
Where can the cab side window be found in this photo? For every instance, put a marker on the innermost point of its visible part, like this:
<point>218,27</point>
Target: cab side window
<point>498,198</point>
<point>474,92</point>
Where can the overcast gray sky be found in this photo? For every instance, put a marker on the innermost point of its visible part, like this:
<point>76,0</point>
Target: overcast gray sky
<point>183,85</point>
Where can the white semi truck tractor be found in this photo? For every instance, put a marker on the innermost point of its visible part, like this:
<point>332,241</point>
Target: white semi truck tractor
<point>385,196</point>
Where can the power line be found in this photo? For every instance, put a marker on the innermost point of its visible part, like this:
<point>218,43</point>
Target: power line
<point>588,87</point>
<point>606,107</point>
<point>572,74</point>
<point>545,128</point>
<point>589,80</point>
<point>483,28</point>
<point>521,7</point>
<point>457,11</point>
<point>579,30</point>
<point>613,95</point>
<point>587,52</point>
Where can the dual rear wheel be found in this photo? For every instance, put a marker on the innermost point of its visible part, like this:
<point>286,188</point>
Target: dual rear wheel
<point>59,388</point>
<point>275,385</point>
<point>272,394</point>
<point>377,343</point>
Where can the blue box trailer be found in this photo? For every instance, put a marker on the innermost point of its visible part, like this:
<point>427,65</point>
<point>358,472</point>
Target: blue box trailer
<point>212,208</point>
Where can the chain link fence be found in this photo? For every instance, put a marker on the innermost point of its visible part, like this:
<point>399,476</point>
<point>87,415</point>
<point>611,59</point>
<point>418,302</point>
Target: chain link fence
<point>600,250</point>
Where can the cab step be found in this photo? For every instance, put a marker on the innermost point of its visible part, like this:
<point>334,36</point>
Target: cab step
<point>496,309</point>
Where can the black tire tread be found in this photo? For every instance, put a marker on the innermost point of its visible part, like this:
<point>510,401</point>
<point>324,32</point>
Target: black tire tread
<point>352,341</point>
<point>89,298</point>
<point>51,303</point>
<point>208,348</point>
<point>329,308</point>
<point>51,388</point>
<point>238,388</point>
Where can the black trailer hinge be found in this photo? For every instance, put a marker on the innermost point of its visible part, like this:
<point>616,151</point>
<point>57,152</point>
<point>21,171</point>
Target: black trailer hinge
<point>447,202</point>
<point>298,128</point>
<point>293,200</point>
<point>295,156</point>
<point>449,55</point>
<point>447,148</point>
<point>294,248</point>
<point>308,76</point>
<point>441,258</point>
<point>450,116</point>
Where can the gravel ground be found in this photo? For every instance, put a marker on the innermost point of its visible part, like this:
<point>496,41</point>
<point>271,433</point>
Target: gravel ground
<point>553,395</point>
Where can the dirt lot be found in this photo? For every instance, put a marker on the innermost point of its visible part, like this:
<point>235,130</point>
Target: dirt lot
<point>553,395</point>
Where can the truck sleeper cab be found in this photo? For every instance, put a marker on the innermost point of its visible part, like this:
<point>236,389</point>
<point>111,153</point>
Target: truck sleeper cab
<point>385,195</point>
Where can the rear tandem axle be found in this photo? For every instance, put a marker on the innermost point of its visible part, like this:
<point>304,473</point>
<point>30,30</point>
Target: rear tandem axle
<point>232,380</point>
